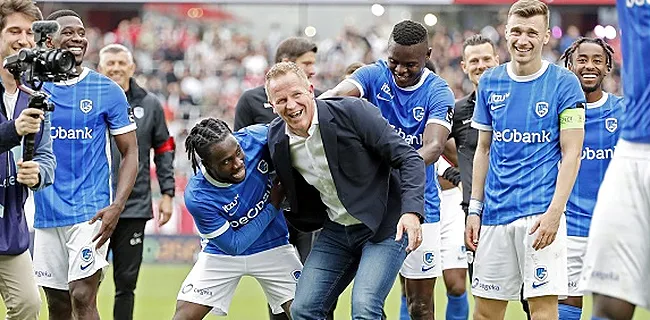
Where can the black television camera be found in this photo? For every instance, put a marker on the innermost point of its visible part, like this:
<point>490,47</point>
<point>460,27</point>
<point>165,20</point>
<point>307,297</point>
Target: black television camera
<point>36,66</point>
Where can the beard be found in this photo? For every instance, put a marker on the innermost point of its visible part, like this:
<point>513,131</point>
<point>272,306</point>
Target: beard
<point>590,89</point>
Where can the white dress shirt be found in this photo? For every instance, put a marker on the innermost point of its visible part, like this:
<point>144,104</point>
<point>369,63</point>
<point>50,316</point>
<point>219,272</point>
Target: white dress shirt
<point>308,157</point>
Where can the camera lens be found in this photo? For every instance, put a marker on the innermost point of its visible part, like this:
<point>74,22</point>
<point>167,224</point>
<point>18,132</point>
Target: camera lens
<point>58,61</point>
<point>65,61</point>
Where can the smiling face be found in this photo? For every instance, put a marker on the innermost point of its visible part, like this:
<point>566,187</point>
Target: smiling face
<point>407,62</point>
<point>16,34</point>
<point>226,161</point>
<point>477,59</point>
<point>526,37</point>
<point>118,66</point>
<point>292,98</point>
<point>71,36</point>
<point>590,65</point>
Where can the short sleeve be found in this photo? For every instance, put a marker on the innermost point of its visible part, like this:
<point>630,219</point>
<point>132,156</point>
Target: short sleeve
<point>570,93</point>
<point>482,120</point>
<point>441,108</point>
<point>363,77</point>
<point>120,115</point>
<point>206,216</point>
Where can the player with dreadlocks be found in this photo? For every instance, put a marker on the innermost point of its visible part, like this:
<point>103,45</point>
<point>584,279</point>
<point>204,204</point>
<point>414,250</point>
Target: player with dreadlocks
<point>235,207</point>
<point>591,61</point>
<point>418,104</point>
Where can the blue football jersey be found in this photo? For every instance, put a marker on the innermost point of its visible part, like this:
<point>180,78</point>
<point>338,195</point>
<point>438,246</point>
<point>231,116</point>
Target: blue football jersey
<point>87,109</point>
<point>601,134</point>
<point>238,219</point>
<point>523,114</point>
<point>409,110</point>
<point>634,21</point>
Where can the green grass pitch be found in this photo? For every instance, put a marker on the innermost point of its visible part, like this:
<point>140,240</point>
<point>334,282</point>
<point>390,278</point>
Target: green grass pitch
<point>159,284</point>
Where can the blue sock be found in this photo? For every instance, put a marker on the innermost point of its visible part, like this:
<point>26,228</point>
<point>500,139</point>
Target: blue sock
<point>457,307</point>
<point>404,310</point>
<point>597,318</point>
<point>568,312</point>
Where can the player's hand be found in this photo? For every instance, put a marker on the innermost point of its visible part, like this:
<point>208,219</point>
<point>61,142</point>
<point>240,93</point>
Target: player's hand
<point>546,227</point>
<point>277,193</point>
<point>29,121</point>
<point>410,222</point>
<point>109,217</point>
<point>165,209</point>
<point>472,228</point>
<point>28,173</point>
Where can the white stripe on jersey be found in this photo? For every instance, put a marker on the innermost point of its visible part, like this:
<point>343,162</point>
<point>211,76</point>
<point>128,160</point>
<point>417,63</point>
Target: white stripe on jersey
<point>123,130</point>
<point>217,232</point>
<point>107,152</point>
<point>440,122</point>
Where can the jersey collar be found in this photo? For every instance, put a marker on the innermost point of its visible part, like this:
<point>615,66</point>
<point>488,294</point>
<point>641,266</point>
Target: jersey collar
<point>528,78</point>
<point>74,80</point>
<point>214,182</point>
<point>599,103</point>
<point>425,73</point>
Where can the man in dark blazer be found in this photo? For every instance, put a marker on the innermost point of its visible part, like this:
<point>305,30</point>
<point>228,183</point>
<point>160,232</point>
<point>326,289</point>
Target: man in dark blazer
<point>345,170</point>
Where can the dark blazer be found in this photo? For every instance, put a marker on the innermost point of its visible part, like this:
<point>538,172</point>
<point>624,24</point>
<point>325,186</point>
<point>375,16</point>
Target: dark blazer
<point>362,150</point>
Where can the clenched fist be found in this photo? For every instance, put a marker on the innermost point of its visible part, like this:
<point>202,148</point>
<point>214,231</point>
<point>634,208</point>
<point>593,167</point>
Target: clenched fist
<point>28,173</point>
<point>29,121</point>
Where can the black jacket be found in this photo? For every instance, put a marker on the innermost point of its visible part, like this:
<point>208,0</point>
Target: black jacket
<point>152,133</point>
<point>466,138</point>
<point>253,108</point>
<point>378,176</point>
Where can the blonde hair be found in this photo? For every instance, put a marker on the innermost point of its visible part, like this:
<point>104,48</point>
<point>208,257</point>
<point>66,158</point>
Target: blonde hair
<point>529,8</point>
<point>281,69</point>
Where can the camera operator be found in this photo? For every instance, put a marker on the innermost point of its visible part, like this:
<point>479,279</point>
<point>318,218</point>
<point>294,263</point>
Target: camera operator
<point>17,285</point>
<point>76,216</point>
<point>116,62</point>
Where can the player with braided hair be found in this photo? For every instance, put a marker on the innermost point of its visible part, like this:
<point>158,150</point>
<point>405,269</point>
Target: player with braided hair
<point>418,104</point>
<point>236,209</point>
<point>591,61</point>
<point>608,51</point>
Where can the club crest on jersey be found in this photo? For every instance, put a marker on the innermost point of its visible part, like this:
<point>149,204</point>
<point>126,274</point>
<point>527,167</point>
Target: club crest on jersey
<point>418,113</point>
<point>541,108</point>
<point>611,124</point>
<point>263,167</point>
<point>295,274</point>
<point>86,105</point>
<point>138,112</point>
<point>541,273</point>
<point>428,258</point>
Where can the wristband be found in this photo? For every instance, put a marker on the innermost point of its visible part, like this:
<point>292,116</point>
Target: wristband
<point>475,207</point>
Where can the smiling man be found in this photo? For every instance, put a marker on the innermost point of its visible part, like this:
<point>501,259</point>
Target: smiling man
<point>76,216</point>
<point>345,171</point>
<point>236,208</point>
<point>17,285</point>
<point>418,104</point>
<point>530,117</point>
<point>127,242</point>
<point>591,60</point>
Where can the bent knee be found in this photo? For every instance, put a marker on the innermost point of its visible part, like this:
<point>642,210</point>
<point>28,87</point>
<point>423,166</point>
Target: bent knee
<point>456,289</point>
